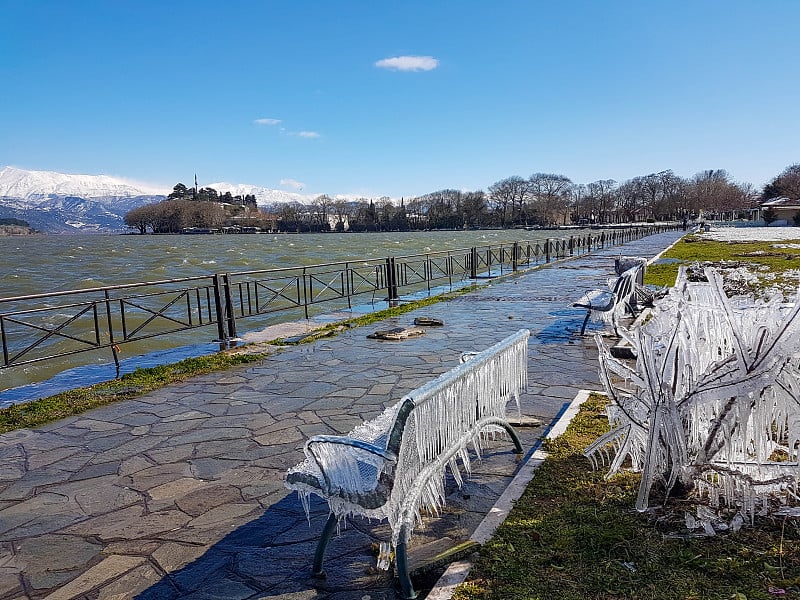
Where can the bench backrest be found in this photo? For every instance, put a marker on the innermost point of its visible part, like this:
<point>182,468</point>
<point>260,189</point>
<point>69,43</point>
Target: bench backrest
<point>443,414</point>
<point>623,263</point>
<point>624,288</point>
<point>453,402</point>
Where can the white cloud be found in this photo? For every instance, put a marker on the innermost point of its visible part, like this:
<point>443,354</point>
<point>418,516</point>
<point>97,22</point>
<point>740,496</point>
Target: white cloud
<point>306,134</point>
<point>267,121</point>
<point>292,183</point>
<point>408,63</point>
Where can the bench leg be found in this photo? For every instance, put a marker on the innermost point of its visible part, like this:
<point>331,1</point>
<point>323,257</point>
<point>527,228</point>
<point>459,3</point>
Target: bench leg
<point>401,561</point>
<point>327,532</point>
<point>514,438</point>
<point>585,320</point>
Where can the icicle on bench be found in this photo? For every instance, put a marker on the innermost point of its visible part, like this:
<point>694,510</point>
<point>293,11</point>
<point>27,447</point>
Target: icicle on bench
<point>393,467</point>
<point>619,298</point>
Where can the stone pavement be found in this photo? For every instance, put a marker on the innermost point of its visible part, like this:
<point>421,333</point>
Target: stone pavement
<point>179,494</point>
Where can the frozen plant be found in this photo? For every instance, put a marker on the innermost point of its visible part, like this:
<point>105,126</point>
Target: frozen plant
<point>713,401</point>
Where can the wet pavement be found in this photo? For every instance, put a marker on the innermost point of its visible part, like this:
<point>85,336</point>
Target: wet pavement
<point>179,493</point>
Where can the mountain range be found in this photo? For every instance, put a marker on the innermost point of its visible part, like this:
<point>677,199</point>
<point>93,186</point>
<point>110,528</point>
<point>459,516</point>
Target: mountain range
<point>62,203</point>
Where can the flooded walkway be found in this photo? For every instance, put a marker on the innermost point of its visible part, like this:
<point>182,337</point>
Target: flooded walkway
<point>178,494</point>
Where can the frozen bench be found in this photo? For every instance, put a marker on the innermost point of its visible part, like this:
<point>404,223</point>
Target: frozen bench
<point>620,297</point>
<point>393,467</point>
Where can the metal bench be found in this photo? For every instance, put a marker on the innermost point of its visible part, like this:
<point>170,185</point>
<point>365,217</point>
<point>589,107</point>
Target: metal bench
<point>393,467</point>
<point>620,297</point>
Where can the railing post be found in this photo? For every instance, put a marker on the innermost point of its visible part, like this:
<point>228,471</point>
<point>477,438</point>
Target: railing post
<point>428,272</point>
<point>3,337</point>
<point>514,253</point>
<point>391,281</point>
<point>306,293</point>
<point>571,246</point>
<point>348,281</point>
<point>230,316</point>
<point>547,249</point>
<point>219,296</point>
<point>473,263</point>
<point>223,303</point>
<point>111,332</point>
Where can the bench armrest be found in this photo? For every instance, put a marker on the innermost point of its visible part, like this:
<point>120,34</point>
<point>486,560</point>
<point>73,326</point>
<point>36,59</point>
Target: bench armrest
<point>353,443</point>
<point>347,463</point>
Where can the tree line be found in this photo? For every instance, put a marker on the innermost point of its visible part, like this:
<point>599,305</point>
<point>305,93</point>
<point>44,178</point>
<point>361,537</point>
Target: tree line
<point>541,200</point>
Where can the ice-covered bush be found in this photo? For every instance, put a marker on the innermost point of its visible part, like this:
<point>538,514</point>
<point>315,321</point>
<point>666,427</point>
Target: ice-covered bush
<point>713,400</point>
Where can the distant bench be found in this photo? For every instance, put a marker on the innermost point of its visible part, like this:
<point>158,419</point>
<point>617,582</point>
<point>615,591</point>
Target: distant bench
<point>393,466</point>
<point>619,297</point>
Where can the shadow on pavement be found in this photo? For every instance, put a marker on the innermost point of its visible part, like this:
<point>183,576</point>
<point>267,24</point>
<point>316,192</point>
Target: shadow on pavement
<point>271,557</point>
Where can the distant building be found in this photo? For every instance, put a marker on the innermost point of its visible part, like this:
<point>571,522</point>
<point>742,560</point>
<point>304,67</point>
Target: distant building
<point>783,209</point>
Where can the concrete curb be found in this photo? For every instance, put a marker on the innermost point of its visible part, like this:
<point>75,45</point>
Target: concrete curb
<point>458,571</point>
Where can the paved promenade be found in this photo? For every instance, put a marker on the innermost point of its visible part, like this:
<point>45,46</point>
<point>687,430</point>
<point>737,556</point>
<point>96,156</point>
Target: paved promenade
<point>179,494</point>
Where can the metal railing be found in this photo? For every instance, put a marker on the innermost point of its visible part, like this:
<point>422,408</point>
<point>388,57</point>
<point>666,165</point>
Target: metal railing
<point>42,327</point>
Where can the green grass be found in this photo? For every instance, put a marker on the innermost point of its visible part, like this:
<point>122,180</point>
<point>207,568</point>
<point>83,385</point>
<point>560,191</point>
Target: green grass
<point>772,263</point>
<point>141,381</point>
<point>574,535</point>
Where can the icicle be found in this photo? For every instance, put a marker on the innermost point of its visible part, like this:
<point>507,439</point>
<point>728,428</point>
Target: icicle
<point>449,414</point>
<point>715,393</point>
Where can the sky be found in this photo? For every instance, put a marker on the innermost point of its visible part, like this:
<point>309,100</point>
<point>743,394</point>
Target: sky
<point>398,98</point>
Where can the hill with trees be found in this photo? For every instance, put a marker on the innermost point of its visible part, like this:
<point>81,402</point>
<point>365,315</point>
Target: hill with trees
<point>11,226</point>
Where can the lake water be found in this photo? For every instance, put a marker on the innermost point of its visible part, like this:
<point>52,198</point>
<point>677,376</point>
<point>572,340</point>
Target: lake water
<point>40,264</point>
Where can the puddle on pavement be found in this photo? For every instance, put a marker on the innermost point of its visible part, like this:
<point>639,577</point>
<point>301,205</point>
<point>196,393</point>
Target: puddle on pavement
<point>566,326</point>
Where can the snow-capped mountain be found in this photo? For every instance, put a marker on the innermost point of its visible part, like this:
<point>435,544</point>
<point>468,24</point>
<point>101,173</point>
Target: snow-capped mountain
<point>39,185</point>
<point>61,203</point>
<point>268,196</point>
<point>264,196</point>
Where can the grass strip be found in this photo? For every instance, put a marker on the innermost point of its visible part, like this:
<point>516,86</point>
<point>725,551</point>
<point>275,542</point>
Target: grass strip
<point>773,260</point>
<point>395,311</point>
<point>73,402</point>
<point>574,535</point>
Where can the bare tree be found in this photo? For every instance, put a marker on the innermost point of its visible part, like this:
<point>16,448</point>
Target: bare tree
<point>713,193</point>
<point>549,195</point>
<point>786,184</point>
<point>578,202</point>
<point>507,197</point>
<point>140,218</point>
<point>631,200</point>
<point>474,208</point>
<point>341,211</point>
<point>321,208</point>
<point>601,198</point>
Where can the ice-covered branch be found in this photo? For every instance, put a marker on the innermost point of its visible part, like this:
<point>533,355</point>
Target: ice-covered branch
<point>714,394</point>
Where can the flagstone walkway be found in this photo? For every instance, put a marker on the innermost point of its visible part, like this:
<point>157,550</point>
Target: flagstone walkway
<point>178,494</point>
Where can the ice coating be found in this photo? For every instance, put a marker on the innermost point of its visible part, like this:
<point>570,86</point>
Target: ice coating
<point>360,474</point>
<point>713,400</point>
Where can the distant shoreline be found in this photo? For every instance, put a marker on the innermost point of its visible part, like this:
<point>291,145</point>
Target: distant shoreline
<point>9,230</point>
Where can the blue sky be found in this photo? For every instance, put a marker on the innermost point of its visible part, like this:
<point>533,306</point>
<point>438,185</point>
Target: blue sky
<point>294,93</point>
